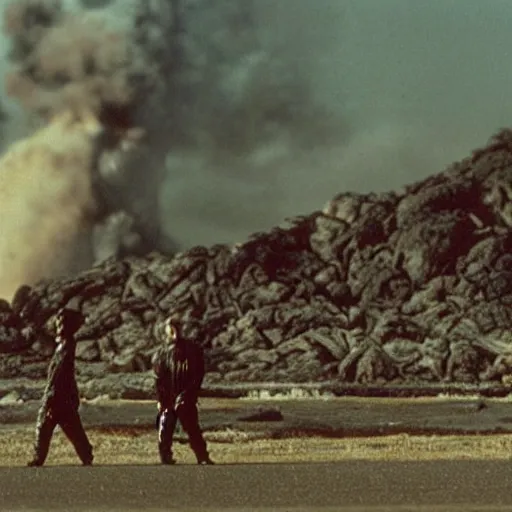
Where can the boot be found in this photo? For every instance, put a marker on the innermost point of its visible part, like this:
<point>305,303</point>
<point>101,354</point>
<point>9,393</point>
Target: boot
<point>88,461</point>
<point>167,458</point>
<point>205,461</point>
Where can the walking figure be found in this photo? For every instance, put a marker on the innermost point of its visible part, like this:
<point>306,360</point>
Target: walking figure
<point>179,370</point>
<point>61,400</point>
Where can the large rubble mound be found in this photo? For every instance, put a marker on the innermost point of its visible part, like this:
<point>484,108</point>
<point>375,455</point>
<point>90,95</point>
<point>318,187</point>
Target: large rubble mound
<point>412,287</point>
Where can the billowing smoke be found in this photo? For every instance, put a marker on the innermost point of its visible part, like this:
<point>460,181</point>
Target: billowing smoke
<point>72,76</point>
<point>265,109</point>
<point>46,200</point>
<point>416,84</point>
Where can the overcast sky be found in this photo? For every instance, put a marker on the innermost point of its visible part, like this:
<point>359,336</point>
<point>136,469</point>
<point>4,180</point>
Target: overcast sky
<point>421,83</point>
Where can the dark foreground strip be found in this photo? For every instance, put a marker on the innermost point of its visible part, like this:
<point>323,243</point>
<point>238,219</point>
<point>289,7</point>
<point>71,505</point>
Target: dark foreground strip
<point>350,485</point>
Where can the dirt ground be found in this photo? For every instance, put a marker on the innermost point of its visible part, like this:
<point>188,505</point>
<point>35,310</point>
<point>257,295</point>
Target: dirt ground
<point>279,431</point>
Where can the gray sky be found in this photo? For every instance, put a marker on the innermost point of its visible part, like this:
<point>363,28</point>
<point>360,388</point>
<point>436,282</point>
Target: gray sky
<point>441,60</point>
<point>435,62</point>
<point>421,83</point>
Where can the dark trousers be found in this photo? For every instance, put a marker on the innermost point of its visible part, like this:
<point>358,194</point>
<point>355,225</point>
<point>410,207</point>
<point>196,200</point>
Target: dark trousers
<point>72,427</point>
<point>188,416</point>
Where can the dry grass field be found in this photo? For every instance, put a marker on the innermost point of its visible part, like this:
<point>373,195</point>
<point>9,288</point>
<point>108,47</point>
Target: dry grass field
<point>136,446</point>
<point>134,442</point>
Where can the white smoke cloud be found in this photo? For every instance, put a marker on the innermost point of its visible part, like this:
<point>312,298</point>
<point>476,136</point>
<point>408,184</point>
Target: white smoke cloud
<point>46,199</point>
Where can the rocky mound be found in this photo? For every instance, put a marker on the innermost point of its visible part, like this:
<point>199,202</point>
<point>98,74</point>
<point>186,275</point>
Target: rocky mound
<point>412,287</point>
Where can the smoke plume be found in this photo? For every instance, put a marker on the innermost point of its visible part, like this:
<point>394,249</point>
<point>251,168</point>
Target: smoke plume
<point>417,84</point>
<point>323,97</point>
<point>46,200</point>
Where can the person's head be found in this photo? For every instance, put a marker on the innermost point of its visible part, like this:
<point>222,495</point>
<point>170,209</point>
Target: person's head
<point>171,330</point>
<point>68,321</point>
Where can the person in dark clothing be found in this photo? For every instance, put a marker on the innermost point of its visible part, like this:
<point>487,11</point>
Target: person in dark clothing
<point>179,371</point>
<point>61,400</point>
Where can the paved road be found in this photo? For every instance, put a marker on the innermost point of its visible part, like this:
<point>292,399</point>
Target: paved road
<point>351,485</point>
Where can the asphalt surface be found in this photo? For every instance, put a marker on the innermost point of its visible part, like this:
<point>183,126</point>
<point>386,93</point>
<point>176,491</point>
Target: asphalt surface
<point>346,486</point>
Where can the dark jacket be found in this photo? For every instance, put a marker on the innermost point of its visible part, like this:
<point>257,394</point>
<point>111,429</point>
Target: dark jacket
<point>179,370</point>
<point>61,392</point>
